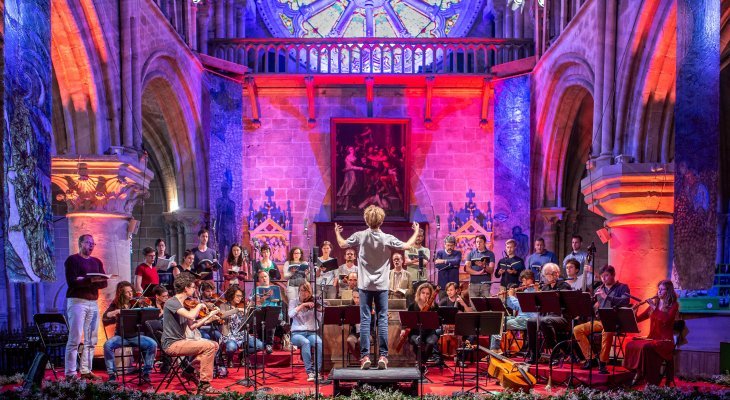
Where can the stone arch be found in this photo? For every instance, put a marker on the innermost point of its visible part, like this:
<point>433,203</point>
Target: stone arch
<point>645,100</point>
<point>572,84</point>
<point>172,132</point>
<point>85,116</point>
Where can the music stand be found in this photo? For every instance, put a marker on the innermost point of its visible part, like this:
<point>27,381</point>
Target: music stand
<point>246,381</point>
<point>539,302</point>
<point>130,322</point>
<point>342,315</point>
<point>480,303</point>
<point>577,305</point>
<point>447,316</point>
<point>419,320</point>
<point>618,321</point>
<point>477,324</point>
<point>267,318</point>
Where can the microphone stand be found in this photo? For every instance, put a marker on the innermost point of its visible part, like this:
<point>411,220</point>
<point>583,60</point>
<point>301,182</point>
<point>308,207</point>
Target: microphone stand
<point>315,257</point>
<point>432,273</point>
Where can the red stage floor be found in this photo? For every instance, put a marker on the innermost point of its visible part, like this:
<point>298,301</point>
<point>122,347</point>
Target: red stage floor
<point>440,382</point>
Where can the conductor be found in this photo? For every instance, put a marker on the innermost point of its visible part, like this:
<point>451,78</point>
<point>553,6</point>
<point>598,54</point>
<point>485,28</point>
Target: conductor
<point>373,264</point>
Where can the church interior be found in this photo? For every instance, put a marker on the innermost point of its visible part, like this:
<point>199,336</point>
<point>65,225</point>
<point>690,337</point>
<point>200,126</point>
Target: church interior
<point>234,132</point>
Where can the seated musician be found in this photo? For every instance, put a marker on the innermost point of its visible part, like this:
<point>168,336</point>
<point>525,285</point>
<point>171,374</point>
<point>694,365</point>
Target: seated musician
<point>304,328</point>
<point>454,298</point>
<point>210,298</point>
<point>234,328</point>
<point>550,323</point>
<point>517,321</point>
<point>611,294</point>
<point>351,285</point>
<point>400,279</point>
<point>293,271</point>
<point>178,321</point>
<point>645,356</point>
<point>267,264</point>
<point>268,295</point>
<point>123,299</point>
<point>576,280</point>
<point>160,297</point>
<point>429,338</point>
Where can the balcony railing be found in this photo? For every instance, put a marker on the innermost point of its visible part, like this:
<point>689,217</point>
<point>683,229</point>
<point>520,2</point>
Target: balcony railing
<point>371,55</point>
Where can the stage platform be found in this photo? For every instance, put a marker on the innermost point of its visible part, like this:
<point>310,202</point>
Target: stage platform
<point>346,379</point>
<point>440,382</point>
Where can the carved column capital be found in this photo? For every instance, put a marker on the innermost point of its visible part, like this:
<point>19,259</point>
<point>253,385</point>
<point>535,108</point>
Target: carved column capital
<point>549,215</point>
<point>110,184</point>
<point>191,218</point>
<point>631,193</point>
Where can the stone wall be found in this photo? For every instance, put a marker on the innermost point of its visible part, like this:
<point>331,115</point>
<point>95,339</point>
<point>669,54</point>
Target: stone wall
<point>294,160</point>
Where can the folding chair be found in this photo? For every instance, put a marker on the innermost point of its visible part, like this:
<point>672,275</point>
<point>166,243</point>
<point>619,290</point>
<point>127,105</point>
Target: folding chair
<point>177,364</point>
<point>53,332</point>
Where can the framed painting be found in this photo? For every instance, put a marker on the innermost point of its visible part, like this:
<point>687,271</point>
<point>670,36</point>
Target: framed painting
<point>370,166</point>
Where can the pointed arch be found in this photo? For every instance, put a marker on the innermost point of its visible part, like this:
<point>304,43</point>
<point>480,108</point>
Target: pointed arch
<point>81,82</point>
<point>172,132</point>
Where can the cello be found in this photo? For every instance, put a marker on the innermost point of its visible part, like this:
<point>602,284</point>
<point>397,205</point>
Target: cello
<point>511,375</point>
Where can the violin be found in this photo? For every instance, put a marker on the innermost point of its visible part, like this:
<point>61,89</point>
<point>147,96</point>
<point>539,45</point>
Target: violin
<point>192,302</point>
<point>140,301</point>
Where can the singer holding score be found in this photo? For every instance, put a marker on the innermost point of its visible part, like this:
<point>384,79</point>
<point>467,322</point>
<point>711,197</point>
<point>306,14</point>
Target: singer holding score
<point>373,264</point>
<point>415,267</point>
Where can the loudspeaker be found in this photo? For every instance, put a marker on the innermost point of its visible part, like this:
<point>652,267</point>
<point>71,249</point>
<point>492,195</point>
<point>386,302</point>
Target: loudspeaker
<point>36,371</point>
<point>604,235</point>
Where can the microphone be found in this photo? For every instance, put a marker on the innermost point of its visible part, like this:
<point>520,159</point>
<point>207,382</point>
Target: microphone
<point>438,222</point>
<point>315,255</point>
<point>306,226</point>
<point>421,256</point>
<point>592,247</point>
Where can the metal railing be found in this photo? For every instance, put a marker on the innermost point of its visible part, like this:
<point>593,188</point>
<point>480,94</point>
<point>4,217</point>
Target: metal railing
<point>371,55</point>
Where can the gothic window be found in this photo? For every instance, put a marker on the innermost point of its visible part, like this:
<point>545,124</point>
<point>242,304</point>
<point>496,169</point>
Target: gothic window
<point>369,18</point>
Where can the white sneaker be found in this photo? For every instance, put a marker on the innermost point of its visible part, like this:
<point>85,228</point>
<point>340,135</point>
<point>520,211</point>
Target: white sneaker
<point>310,377</point>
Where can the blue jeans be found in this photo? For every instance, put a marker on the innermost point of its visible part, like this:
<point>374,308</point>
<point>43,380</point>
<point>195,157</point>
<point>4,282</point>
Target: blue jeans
<point>367,297</point>
<point>83,321</point>
<point>305,340</point>
<point>233,345</point>
<point>146,345</point>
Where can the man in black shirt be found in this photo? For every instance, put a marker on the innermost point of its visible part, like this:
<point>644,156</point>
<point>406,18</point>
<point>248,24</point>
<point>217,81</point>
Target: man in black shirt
<point>509,268</point>
<point>550,323</point>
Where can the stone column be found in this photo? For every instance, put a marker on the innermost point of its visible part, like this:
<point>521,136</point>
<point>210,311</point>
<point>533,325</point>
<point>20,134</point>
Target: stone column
<point>546,226</point>
<point>183,226</point>
<point>637,201</point>
<point>100,193</point>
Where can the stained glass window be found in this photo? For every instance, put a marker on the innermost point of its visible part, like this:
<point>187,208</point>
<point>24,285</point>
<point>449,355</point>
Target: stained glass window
<point>369,18</point>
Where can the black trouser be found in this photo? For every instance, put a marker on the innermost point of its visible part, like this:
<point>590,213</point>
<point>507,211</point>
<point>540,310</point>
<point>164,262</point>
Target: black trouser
<point>428,344</point>
<point>549,326</point>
